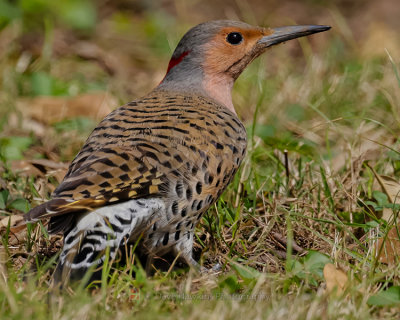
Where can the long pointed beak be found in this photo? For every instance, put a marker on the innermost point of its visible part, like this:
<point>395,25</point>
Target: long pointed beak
<point>282,34</point>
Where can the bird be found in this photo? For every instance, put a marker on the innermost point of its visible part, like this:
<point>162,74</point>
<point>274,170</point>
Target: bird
<point>150,170</point>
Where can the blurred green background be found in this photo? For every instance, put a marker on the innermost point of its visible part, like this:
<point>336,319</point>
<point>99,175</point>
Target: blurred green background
<point>66,64</point>
<point>332,101</point>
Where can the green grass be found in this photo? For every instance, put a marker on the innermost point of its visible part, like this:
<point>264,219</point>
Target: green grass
<point>321,118</point>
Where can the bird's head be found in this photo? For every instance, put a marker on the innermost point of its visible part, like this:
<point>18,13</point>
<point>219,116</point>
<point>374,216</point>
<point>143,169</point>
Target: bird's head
<point>212,55</point>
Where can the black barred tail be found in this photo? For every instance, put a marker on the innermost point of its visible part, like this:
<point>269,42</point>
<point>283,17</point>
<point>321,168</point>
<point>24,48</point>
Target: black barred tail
<point>100,232</point>
<point>85,251</point>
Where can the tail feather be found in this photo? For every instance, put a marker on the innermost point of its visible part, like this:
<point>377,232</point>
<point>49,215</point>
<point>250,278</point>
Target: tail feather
<point>62,212</point>
<point>100,231</point>
<point>48,209</point>
<point>34,214</point>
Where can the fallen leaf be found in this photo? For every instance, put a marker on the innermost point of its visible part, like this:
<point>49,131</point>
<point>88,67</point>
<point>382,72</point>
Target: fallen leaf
<point>15,218</point>
<point>25,168</point>
<point>391,188</point>
<point>388,248</point>
<point>59,169</point>
<point>335,279</point>
<point>40,168</point>
<point>48,109</point>
<point>49,164</point>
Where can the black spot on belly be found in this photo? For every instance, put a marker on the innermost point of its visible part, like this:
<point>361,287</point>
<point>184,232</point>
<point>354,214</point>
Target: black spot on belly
<point>199,187</point>
<point>194,204</point>
<point>206,177</point>
<point>200,205</point>
<point>189,193</point>
<point>165,239</point>
<point>177,235</point>
<point>174,207</point>
<point>183,212</point>
<point>179,189</point>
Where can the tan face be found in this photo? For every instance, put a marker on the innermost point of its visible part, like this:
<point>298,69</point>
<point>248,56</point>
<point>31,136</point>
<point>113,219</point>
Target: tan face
<point>232,49</point>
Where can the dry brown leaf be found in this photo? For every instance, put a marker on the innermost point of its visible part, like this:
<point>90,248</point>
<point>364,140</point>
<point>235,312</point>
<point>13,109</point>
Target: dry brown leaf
<point>52,109</point>
<point>25,168</point>
<point>391,188</point>
<point>16,238</point>
<point>18,230</point>
<point>58,169</point>
<point>49,164</point>
<point>15,218</point>
<point>388,249</point>
<point>335,279</point>
<point>40,168</point>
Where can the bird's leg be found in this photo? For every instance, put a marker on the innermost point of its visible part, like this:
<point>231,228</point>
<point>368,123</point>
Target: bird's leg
<point>149,264</point>
<point>185,250</point>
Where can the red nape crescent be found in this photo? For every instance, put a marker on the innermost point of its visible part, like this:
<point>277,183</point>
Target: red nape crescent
<point>175,61</point>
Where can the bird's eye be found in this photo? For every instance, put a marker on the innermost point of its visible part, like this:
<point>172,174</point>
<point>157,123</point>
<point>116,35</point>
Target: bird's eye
<point>234,38</point>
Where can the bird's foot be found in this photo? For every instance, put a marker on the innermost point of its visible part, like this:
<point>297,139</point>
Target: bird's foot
<point>215,269</point>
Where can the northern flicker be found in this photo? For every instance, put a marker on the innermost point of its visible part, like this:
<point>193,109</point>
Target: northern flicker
<point>152,167</point>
